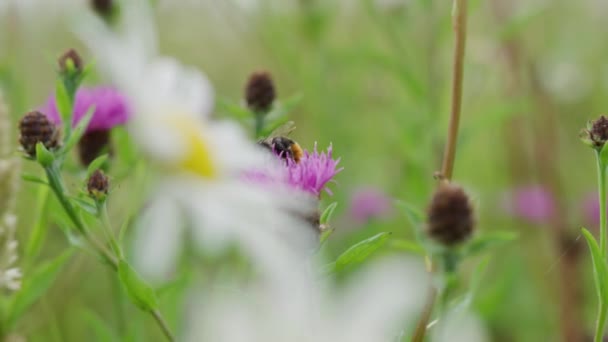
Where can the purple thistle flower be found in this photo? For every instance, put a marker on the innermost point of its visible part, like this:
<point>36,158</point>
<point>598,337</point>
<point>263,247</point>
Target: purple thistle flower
<point>369,203</point>
<point>313,172</point>
<point>111,108</point>
<point>532,203</point>
<point>591,209</point>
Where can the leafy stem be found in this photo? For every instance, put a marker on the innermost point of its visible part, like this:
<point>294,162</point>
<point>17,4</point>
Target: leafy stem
<point>601,177</point>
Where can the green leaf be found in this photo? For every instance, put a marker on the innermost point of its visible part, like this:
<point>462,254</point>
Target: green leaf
<point>600,270</point>
<point>96,164</point>
<point>139,291</point>
<point>79,130</point>
<point>413,214</point>
<point>234,110</point>
<point>489,240</point>
<point>282,108</point>
<point>271,125</point>
<point>101,329</point>
<point>85,205</point>
<point>33,179</point>
<point>35,285</point>
<point>328,213</point>
<point>359,252</point>
<point>40,227</point>
<point>408,246</point>
<point>62,99</point>
<point>44,156</point>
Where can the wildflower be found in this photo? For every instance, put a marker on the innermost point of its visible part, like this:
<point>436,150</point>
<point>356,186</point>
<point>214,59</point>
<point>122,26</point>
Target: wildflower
<point>34,127</point>
<point>369,203</point>
<point>531,203</point>
<point>260,92</point>
<point>98,185</point>
<point>202,162</point>
<point>450,216</point>
<point>596,133</point>
<point>374,305</point>
<point>313,172</point>
<point>111,110</point>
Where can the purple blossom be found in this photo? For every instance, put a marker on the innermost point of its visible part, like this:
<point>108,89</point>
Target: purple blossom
<point>313,172</point>
<point>532,203</point>
<point>111,108</point>
<point>369,203</point>
<point>591,209</point>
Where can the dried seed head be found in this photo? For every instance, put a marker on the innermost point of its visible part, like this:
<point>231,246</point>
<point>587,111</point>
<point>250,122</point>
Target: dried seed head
<point>260,92</point>
<point>98,185</point>
<point>450,216</point>
<point>72,55</point>
<point>35,127</point>
<point>92,145</point>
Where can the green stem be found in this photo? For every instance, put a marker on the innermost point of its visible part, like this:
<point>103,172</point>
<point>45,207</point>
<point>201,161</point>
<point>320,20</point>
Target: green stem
<point>57,187</point>
<point>259,124</point>
<point>163,324</point>
<point>102,209</point>
<point>600,324</point>
<point>601,178</point>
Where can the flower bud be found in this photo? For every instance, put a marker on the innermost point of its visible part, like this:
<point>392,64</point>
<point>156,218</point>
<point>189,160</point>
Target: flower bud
<point>70,62</point>
<point>98,185</point>
<point>35,127</point>
<point>260,92</point>
<point>106,9</point>
<point>596,133</point>
<point>450,216</point>
<point>92,145</point>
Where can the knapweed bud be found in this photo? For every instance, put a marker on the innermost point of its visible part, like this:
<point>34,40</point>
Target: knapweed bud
<point>70,62</point>
<point>98,185</point>
<point>450,216</point>
<point>92,145</point>
<point>35,127</point>
<point>596,133</point>
<point>260,92</point>
<point>106,9</point>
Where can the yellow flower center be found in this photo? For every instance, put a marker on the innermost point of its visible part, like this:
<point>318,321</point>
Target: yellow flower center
<point>197,158</point>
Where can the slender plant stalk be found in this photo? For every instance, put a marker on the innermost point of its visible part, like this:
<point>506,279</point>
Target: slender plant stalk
<point>57,187</point>
<point>162,324</point>
<point>460,31</point>
<point>601,182</point>
<point>459,21</point>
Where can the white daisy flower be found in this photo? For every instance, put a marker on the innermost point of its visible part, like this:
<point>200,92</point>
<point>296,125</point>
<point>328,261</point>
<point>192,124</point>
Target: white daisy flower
<point>203,161</point>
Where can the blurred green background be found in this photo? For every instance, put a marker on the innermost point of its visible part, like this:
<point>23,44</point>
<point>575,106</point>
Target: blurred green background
<point>374,76</point>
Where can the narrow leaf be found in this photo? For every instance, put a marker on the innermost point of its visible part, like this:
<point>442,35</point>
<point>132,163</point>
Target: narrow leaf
<point>96,164</point>
<point>408,246</point>
<point>33,179</point>
<point>44,156</point>
<point>139,291</point>
<point>79,130</point>
<point>328,213</point>
<point>489,240</point>
<point>62,99</point>
<point>359,252</point>
<point>600,271</point>
<point>35,285</point>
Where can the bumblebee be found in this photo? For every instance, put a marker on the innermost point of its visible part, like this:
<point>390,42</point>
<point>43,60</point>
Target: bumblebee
<point>278,142</point>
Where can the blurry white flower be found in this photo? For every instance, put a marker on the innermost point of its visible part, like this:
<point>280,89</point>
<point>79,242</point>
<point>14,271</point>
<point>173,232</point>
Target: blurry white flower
<point>203,161</point>
<point>459,326</point>
<point>10,276</point>
<point>376,305</point>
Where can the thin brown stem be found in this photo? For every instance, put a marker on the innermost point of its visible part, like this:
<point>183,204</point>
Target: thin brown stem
<point>459,21</point>
<point>460,31</point>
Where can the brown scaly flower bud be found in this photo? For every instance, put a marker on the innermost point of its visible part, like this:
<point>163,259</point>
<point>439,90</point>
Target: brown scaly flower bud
<point>35,127</point>
<point>260,92</point>
<point>92,145</point>
<point>596,133</point>
<point>72,55</point>
<point>450,216</point>
<point>98,185</point>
